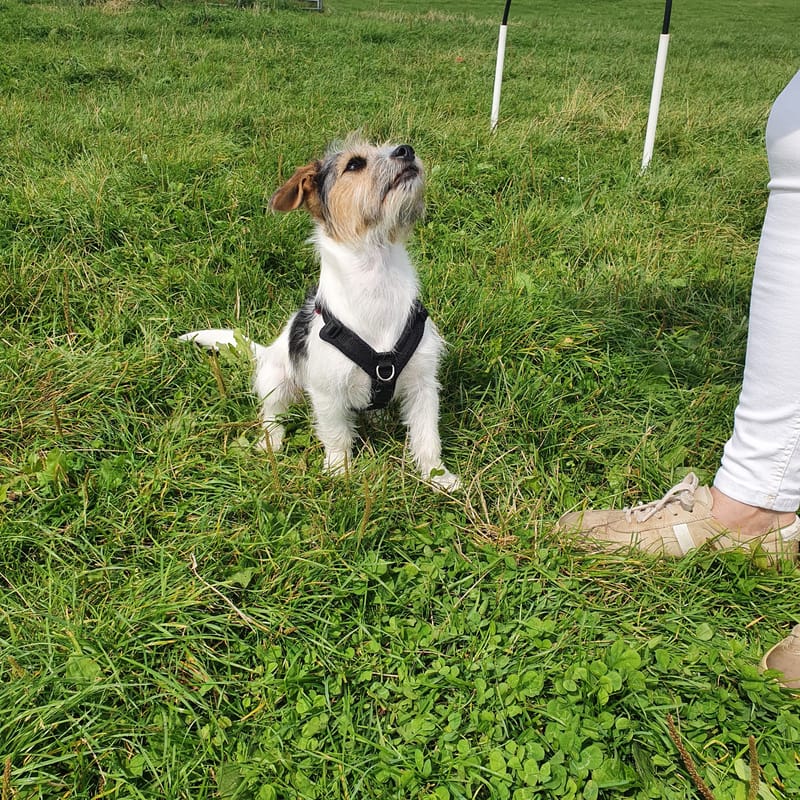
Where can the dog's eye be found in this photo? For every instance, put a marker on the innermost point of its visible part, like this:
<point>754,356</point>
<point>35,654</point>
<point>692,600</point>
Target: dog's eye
<point>355,164</point>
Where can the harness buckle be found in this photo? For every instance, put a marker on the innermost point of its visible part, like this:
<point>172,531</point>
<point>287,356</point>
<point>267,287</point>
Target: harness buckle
<point>333,328</point>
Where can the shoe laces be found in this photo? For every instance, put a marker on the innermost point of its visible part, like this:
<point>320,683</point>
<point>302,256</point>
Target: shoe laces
<point>682,493</point>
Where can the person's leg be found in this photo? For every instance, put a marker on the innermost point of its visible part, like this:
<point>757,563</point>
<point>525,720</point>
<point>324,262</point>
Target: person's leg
<point>760,470</point>
<point>757,489</point>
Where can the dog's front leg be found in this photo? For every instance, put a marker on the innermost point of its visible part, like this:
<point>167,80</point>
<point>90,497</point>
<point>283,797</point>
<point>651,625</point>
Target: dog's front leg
<point>336,428</point>
<point>420,410</point>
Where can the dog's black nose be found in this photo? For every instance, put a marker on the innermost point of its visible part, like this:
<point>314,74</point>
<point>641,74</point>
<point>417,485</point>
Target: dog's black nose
<point>405,152</point>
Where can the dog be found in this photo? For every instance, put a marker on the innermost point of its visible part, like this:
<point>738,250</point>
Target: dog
<point>362,338</point>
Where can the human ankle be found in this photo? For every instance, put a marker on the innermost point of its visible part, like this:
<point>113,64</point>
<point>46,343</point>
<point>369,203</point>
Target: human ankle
<point>745,519</point>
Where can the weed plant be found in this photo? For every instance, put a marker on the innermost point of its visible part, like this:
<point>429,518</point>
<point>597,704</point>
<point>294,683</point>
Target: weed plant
<point>183,617</point>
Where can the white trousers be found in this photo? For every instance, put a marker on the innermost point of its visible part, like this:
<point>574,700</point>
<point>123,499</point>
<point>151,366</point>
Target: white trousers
<point>761,461</point>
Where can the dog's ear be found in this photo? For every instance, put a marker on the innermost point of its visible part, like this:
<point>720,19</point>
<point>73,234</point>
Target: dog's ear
<point>299,189</point>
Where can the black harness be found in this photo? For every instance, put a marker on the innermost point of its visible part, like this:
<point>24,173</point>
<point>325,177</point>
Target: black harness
<point>383,368</point>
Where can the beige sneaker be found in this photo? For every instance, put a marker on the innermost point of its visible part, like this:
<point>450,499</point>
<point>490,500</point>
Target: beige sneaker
<point>672,526</point>
<point>784,657</point>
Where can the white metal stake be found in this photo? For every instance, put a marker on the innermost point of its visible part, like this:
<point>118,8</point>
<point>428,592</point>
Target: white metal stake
<point>498,75</point>
<point>498,70</point>
<point>655,99</point>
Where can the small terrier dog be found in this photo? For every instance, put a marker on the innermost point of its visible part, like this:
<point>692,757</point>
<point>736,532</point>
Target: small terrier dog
<point>362,337</point>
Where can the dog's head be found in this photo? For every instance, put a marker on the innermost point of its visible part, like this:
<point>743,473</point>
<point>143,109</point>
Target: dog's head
<point>359,192</point>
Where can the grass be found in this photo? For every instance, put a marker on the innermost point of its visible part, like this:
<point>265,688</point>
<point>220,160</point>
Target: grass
<point>181,617</point>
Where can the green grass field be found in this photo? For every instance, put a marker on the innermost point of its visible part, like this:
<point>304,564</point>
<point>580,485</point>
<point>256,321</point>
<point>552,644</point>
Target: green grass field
<point>182,617</point>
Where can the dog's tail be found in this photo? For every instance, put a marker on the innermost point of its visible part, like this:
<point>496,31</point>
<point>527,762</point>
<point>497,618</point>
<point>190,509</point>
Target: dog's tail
<point>214,338</point>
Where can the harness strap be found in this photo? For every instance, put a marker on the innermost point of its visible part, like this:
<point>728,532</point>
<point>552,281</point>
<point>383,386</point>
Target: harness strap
<point>383,369</point>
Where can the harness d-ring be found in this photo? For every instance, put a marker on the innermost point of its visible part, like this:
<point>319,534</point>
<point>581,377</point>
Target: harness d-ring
<point>385,378</point>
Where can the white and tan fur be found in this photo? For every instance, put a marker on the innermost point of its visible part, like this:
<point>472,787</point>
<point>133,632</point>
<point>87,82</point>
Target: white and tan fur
<point>364,201</point>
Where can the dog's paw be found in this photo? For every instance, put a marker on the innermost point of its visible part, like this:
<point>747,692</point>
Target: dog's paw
<point>444,480</point>
<point>335,463</point>
<point>272,440</point>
